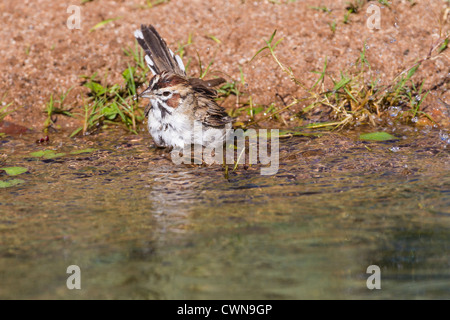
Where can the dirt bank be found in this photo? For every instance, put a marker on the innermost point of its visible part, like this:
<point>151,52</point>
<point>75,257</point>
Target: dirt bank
<point>40,55</point>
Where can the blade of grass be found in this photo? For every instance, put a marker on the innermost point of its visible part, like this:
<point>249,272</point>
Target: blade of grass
<point>103,23</point>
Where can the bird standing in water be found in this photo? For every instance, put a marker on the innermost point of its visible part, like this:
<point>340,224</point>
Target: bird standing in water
<point>179,105</point>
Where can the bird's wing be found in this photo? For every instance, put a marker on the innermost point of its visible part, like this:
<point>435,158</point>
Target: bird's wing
<point>210,113</point>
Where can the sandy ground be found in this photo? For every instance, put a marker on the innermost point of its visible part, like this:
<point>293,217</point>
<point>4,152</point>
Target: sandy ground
<point>40,55</point>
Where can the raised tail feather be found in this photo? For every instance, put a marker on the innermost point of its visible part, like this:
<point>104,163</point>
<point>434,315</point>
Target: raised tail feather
<point>159,57</point>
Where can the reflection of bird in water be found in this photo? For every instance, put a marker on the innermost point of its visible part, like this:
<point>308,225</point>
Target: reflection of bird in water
<point>174,192</point>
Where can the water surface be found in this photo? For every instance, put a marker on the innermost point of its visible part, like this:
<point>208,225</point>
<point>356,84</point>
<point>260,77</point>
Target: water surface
<point>140,227</point>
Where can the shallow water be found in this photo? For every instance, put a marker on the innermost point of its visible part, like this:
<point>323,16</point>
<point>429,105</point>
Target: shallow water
<point>140,227</point>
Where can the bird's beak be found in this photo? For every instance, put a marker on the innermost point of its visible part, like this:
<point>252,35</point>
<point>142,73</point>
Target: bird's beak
<point>147,93</point>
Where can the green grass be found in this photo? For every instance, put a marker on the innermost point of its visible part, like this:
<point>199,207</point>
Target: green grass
<point>385,3</point>
<point>205,70</point>
<point>355,6</point>
<point>320,8</point>
<point>333,26</point>
<point>154,3</point>
<point>54,108</point>
<point>101,24</point>
<point>181,51</point>
<point>271,47</point>
<point>115,104</point>
<point>352,7</point>
<point>108,104</point>
<point>444,45</point>
<point>4,108</point>
<point>214,38</point>
<point>350,97</point>
<point>139,60</point>
<point>354,97</point>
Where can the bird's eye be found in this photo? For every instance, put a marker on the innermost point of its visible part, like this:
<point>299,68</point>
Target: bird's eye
<point>166,93</point>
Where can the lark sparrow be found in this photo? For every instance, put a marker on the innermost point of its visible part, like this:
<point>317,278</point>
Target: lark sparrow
<point>179,105</point>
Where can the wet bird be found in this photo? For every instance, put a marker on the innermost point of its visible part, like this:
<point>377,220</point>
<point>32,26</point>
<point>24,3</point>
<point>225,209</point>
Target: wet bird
<point>182,110</point>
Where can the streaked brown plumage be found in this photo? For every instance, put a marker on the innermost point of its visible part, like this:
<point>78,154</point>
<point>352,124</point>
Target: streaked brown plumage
<point>177,102</point>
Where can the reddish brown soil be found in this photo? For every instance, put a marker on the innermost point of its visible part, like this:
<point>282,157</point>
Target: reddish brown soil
<point>39,55</point>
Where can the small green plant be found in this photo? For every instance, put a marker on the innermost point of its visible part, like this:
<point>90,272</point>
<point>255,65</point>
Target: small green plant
<point>347,16</point>
<point>444,45</point>
<point>4,108</point>
<point>320,8</point>
<point>154,3</point>
<point>385,3</point>
<point>353,7</point>
<point>181,51</point>
<point>139,59</point>
<point>204,71</point>
<point>229,88</point>
<point>113,104</point>
<point>214,38</point>
<point>333,26</point>
<point>355,96</point>
<point>54,108</point>
<point>91,117</point>
<point>237,89</point>
<point>101,24</point>
<point>271,47</point>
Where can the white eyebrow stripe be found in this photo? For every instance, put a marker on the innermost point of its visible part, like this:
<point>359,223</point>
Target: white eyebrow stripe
<point>138,34</point>
<point>154,80</point>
